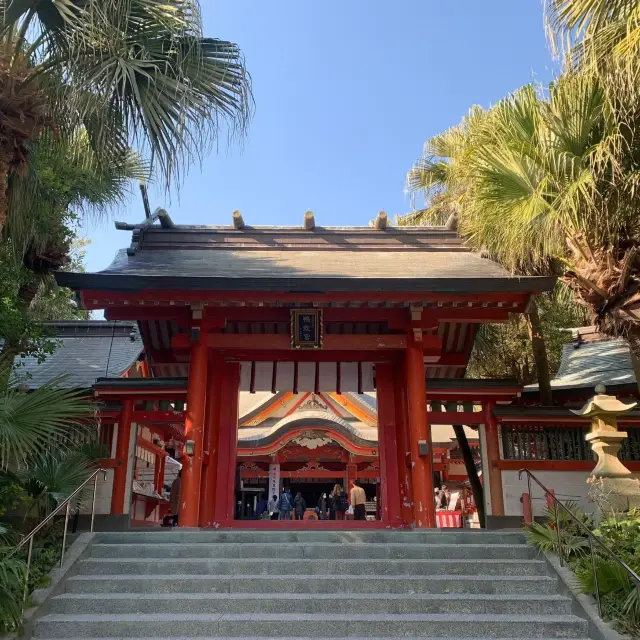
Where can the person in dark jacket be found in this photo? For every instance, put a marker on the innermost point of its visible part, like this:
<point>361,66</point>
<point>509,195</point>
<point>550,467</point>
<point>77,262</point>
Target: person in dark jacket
<point>322,506</point>
<point>285,504</point>
<point>299,506</point>
<point>261,508</point>
<point>338,503</point>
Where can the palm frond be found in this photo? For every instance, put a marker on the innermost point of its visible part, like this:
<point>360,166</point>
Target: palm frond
<point>33,421</point>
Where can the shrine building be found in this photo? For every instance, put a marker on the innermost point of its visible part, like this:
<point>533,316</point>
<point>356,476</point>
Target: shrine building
<point>322,354</point>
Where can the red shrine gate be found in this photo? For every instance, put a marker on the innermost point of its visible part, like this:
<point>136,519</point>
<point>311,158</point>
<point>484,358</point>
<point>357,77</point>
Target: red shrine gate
<point>300,309</point>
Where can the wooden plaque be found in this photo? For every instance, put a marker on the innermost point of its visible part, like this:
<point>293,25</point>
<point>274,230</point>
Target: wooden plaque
<point>306,328</point>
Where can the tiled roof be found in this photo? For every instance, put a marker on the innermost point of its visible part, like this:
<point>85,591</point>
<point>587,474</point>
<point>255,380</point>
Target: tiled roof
<point>86,350</point>
<point>586,364</point>
<point>292,259</point>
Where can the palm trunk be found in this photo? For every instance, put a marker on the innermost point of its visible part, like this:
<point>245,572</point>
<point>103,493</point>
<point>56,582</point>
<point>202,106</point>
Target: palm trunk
<point>539,349</point>
<point>4,187</point>
<point>470,465</point>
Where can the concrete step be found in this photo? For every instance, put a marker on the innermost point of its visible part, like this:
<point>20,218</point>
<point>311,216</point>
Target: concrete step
<point>281,566</point>
<point>315,550</point>
<point>283,537</point>
<point>296,625</point>
<point>309,584</point>
<point>370,603</point>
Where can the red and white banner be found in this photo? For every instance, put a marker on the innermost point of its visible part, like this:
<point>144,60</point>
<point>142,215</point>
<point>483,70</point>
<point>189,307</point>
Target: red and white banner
<point>449,519</point>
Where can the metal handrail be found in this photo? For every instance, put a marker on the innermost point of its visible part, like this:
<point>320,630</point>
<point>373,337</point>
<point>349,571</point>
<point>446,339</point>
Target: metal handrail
<point>590,536</point>
<point>66,503</point>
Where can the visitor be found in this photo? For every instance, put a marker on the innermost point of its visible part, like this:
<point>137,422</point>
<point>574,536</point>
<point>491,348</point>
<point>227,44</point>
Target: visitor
<point>446,497</point>
<point>273,508</point>
<point>299,506</point>
<point>358,498</point>
<point>261,508</point>
<point>322,506</point>
<point>338,503</point>
<point>285,504</point>
<point>174,498</point>
<point>437,497</point>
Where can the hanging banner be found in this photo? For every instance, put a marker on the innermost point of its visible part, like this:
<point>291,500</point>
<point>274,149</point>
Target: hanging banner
<point>274,480</point>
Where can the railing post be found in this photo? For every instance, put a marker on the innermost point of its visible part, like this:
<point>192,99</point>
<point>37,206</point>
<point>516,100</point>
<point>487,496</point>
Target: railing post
<point>526,507</point>
<point>530,497</point>
<point>558,532</point>
<point>64,534</point>
<point>26,575</point>
<point>595,577</point>
<point>93,502</point>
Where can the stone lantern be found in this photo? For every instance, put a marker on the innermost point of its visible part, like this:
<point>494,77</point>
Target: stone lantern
<point>612,485</point>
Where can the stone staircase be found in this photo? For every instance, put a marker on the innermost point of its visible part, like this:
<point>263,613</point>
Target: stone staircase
<point>310,584</point>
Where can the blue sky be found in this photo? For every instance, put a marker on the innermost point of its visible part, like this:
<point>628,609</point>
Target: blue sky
<point>346,93</point>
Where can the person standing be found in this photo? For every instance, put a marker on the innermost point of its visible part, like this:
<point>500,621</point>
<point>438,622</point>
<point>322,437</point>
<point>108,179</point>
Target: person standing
<point>273,508</point>
<point>358,498</point>
<point>322,506</point>
<point>338,503</point>
<point>285,505</point>
<point>300,506</point>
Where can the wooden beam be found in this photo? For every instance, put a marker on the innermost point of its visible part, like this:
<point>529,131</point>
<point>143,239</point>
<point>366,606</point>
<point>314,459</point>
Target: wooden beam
<point>238,221</point>
<point>150,447</point>
<point>456,417</point>
<point>143,417</point>
<point>309,222</point>
<point>266,341</point>
<point>381,220</point>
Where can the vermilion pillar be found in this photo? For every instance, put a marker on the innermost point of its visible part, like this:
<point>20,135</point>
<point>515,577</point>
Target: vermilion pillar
<point>122,458</point>
<point>422,470</point>
<point>224,507</point>
<point>193,431</point>
<point>387,444</point>
<point>212,433</point>
<point>402,441</point>
<point>493,455</point>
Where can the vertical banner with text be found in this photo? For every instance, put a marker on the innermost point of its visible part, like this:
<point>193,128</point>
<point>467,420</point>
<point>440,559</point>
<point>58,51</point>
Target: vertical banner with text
<point>274,480</point>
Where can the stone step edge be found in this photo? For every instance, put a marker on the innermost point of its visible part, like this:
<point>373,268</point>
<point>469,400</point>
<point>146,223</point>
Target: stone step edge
<point>172,577</point>
<point>440,561</point>
<point>308,617</point>
<point>290,638</point>
<point>517,597</point>
<point>278,543</point>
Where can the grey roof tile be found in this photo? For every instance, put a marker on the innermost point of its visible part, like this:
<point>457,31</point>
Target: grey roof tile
<point>587,364</point>
<point>86,351</point>
<point>332,259</point>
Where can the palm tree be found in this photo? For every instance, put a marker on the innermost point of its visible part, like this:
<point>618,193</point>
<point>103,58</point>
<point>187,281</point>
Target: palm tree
<point>596,31</point>
<point>35,421</point>
<point>547,183</point>
<point>133,73</point>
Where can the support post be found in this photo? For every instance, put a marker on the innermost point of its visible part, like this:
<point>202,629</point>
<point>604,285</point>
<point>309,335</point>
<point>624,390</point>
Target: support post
<point>224,506</point>
<point>122,457</point>
<point>402,440</point>
<point>387,439</point>
<point>424,515</point>
<point>210,472</point>
<point>193,433</point>
<point>493,455</point>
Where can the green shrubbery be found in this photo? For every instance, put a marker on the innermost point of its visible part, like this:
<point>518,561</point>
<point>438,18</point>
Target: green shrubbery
<point>619,596</point>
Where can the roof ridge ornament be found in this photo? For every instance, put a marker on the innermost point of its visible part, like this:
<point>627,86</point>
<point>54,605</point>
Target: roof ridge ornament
<point>238,220</point>
<point>381,221</point>
<point>309,221</point>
